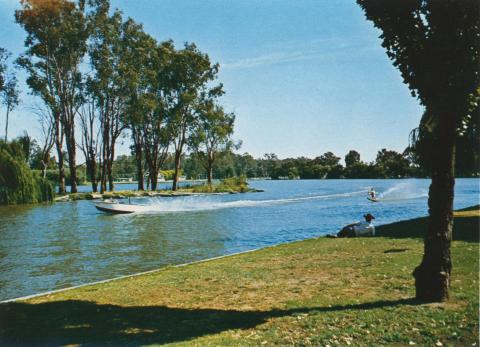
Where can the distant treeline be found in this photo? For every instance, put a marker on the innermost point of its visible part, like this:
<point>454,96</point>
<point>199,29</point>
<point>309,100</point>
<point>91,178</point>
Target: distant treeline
<point>388,164</point>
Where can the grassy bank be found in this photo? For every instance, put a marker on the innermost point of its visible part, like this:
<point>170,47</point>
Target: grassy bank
<point>315,292</point>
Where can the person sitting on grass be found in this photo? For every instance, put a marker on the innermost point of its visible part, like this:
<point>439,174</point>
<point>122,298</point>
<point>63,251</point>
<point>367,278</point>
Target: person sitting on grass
<point>358,229</point>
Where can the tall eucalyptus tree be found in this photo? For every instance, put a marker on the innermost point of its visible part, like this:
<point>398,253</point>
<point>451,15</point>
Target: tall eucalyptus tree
<point>107,84</point>
<point>57,33</point>
<point>90,139</point>
<point>212,135</point>
<point>189,82</point>
<point>146,113</point>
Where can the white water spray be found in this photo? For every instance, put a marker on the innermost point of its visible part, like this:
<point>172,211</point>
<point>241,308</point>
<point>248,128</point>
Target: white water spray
<point>202,203</point>
<point>403,191</point>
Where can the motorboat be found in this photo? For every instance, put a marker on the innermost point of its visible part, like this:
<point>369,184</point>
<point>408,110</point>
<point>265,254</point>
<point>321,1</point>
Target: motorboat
<point>111,206</point>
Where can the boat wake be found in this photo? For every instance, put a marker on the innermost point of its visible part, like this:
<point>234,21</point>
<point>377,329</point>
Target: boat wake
<point>403,191</point>
<point>197,203</point>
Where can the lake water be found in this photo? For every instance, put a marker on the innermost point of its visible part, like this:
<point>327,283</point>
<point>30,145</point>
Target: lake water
<point>46,247</point>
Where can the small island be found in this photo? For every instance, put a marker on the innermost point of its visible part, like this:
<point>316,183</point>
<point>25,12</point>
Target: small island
<point>233,185</point>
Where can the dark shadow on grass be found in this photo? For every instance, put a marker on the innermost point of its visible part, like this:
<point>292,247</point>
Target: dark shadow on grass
<point>396,250</point>
<point>464,228</point>
<point>88,323</point>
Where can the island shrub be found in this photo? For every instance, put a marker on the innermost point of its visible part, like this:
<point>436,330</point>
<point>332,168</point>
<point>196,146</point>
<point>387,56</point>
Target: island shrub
<point>168,174</point>
<point>227,185</point>
<point>233,184</point>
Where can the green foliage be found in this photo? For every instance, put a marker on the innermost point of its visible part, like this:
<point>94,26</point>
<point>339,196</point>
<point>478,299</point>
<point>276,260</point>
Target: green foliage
<point>227,185</point>
<point>467,146</point>
<point>52,176</point>
<point>168,174</point>
<point>434,44</point>
<point>212,135</point>
<point>392,164</point>
<point>124,166</point>
<point>19,184</point>
<point>236,184</point>
<point>352,158</point>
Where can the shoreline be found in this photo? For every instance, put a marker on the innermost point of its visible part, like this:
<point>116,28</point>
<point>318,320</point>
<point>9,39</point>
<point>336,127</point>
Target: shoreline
<point>125,194</point>
<point>55,291</point>
<point>380,233</point>
<point>318,291</point>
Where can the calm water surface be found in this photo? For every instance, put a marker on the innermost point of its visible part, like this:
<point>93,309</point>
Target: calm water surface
<point>48,247</point>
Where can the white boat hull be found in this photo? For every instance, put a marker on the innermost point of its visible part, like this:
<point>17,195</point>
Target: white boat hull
<point>110,207</point>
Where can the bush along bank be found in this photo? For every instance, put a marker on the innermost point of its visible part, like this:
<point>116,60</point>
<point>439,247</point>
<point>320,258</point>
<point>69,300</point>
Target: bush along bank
<point>18,183</point>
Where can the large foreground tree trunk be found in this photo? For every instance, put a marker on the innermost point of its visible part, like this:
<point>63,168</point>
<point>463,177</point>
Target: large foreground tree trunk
<point>432,276</point>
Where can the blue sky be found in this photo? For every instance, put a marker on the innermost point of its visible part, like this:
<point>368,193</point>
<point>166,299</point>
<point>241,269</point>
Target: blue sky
<point>303,77</point>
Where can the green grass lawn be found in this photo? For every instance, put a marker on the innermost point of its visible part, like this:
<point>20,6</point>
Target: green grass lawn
<point>322,291</point>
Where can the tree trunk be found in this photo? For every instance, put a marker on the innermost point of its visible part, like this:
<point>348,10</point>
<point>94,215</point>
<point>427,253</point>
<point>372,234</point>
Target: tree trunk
<point>103,178</point>
<point>432,276</point>
<point>92,172</point>
<point>138,159</point>
<point>71,145</point>
<point>210,171</point>
<point>153,178</point>
<point>111,185</point>
<point>44,169</point>
<point>111,159</point>
<point>73,168</point>
<point>61,168</point>
<point>177,171</point>
<point>108,167</point>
